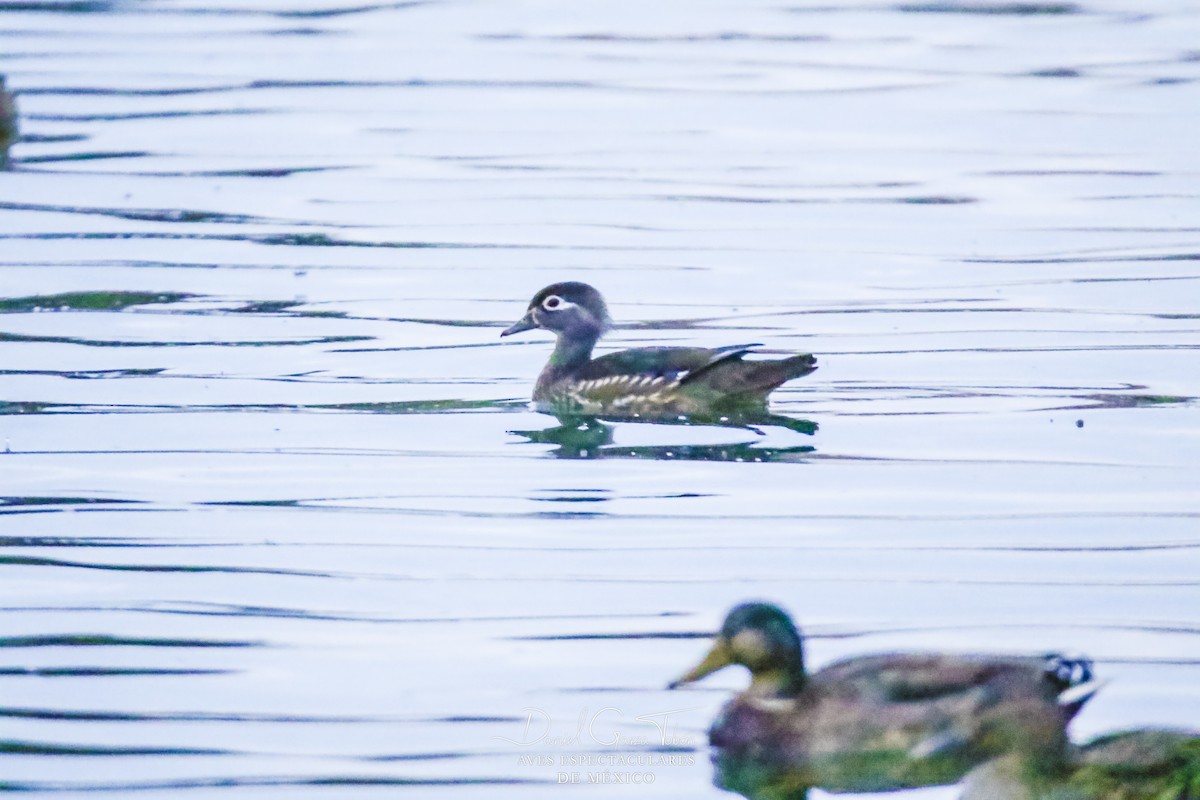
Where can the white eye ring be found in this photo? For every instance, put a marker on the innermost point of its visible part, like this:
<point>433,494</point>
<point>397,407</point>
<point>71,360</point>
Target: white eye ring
<point>553,303</point>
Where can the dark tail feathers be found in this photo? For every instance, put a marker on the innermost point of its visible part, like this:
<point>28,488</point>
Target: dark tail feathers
<point>1066,671</point>
<point>733,377</point>
<point>1073,679</point>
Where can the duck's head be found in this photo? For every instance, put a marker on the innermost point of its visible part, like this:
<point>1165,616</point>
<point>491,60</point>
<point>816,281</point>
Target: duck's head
<point>762,638</point>
<point>571,308</point>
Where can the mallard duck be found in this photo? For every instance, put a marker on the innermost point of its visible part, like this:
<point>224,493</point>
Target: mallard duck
<point>1149,764</point>
<point>879,722</point>
<point>645,381</point>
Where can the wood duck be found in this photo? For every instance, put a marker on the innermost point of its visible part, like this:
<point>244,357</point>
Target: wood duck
<point>644,381</point>
<point>1145,764</point>
<point>880,722</point>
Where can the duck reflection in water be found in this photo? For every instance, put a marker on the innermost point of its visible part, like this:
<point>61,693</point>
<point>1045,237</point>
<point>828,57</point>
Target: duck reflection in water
<point>876,723</point>
<point>1130,765</point>
<point>593,437</point>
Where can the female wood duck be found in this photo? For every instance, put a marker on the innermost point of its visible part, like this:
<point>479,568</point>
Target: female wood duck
<point>1130,765</point>
<point>881,722</point>
<point>645,381</point>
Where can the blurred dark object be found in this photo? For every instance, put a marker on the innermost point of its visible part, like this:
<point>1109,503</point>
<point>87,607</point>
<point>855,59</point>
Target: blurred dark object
<point>8,122</point>
<point>1131,765</point>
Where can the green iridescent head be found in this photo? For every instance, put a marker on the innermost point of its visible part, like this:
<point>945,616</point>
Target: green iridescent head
<point>762,638</point>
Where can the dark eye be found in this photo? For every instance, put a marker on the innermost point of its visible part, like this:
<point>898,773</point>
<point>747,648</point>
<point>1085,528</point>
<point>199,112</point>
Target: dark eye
<point>552,302</point>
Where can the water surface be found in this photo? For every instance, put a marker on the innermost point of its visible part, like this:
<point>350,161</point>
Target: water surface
<point>276,520</point>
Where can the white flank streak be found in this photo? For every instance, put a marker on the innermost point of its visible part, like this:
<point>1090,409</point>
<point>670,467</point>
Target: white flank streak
<point>1080,692</point>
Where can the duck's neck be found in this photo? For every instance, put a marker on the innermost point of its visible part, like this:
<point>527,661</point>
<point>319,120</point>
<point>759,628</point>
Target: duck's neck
<point>785,680</point>
<point>573,350</point>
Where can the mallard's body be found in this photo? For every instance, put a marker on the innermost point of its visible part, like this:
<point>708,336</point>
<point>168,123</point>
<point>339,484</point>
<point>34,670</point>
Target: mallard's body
<point>1130,765</point>
<point>646,381</point>
<point>878,722</point>
<point>894,721</point>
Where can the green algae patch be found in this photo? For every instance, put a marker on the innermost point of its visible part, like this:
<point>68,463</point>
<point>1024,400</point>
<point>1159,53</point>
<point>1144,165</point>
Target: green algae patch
<point>87,301</point>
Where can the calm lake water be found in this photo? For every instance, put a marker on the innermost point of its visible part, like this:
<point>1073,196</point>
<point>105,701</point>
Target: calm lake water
<point>276,519</point>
